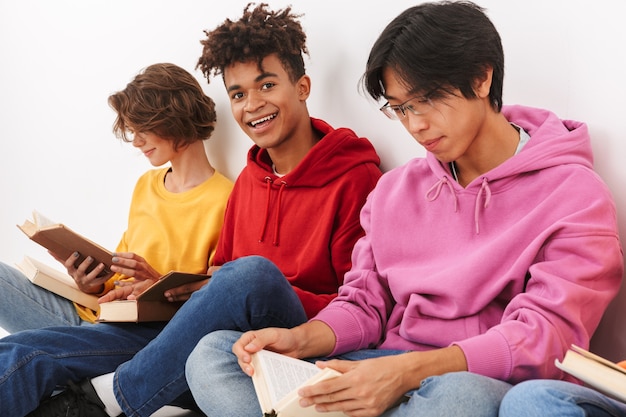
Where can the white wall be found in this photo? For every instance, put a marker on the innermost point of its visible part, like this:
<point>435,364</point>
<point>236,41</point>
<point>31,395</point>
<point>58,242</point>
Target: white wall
<point>61,59</point>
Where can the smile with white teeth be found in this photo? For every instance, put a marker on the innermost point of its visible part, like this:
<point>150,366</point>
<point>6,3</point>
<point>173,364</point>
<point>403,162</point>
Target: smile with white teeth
<point>264,119</point>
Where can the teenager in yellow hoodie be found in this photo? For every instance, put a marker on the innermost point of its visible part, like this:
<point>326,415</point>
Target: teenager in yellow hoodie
<point>176,212</point>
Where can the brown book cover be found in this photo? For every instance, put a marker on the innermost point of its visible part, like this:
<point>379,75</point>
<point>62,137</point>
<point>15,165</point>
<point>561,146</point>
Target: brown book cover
<point>56,281</point>
<point>150,305</point>
<point>63,241</point>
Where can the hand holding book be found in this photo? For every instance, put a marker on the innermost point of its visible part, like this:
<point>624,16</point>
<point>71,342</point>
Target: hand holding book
<point>150,304</point>
<point>126,290</point>
<point>131,265</point>
<point>90,279</point>
<point>68,246</point>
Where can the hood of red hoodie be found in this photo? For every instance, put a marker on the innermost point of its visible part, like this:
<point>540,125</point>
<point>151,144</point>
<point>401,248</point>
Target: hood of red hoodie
<point>318,168</point>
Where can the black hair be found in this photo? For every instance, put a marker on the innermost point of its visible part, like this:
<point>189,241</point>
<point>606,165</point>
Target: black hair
<point>258,33</point>
<point>436,48</point>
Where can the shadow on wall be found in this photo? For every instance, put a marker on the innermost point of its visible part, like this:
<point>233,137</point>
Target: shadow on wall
<point>609,340</point>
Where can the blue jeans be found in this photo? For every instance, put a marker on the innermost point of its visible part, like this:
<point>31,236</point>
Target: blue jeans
<point>148,359</point>
<point>220,387</point>
<point>25,306</point>
<point>558,398</point>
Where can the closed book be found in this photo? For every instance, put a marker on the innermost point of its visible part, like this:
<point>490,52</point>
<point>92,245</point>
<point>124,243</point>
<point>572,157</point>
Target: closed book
<point>150,305</point>
<point>56,281</point>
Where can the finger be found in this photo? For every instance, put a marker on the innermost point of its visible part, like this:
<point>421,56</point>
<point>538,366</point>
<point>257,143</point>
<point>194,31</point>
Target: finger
<point>130,260</point>
<point>183,292</point>
<point>71,261</point>
<point>96,274</point>
<point>114,294</point>
<point>326,391</point>
<point>244,358</point>
<point>84,265</point>
<point>125,282</point>
<point>126,255</point>
<point>175,298</point>
<point>129,272</point>
<point>342,366</point>
<point>124,262</point>
<point>212,270</point>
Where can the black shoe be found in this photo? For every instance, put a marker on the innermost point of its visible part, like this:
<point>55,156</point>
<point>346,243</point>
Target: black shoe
<point>76,401</point>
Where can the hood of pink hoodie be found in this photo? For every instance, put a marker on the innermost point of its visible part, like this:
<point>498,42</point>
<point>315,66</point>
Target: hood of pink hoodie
<point>553,142</point>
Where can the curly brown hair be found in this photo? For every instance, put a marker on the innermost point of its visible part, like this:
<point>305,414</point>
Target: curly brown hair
<point>166,100</point>
<point>258,33</point>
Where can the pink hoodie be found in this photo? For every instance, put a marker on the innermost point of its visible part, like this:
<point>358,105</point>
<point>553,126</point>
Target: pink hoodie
<point>513,269</point>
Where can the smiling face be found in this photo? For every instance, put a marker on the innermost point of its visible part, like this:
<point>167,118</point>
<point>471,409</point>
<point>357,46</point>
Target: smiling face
<point>268,106</point>
<point>452,128</point>
<point>158,150</point>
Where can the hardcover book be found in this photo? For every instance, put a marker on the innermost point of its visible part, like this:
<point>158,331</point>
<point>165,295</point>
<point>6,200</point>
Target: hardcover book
<point>62,241</point>
<point>150,305</point>
<point>55,281</point>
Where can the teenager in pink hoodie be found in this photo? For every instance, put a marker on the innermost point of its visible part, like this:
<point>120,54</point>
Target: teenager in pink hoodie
<point>481,262</point>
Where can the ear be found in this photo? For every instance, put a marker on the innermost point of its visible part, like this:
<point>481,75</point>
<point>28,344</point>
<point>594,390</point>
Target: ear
<point>303,87</point>
<point>482,84</point>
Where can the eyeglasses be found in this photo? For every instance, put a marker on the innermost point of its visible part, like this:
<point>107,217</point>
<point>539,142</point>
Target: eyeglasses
<point>415,105</point>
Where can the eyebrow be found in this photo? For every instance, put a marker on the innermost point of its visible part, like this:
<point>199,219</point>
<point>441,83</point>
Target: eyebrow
<point>260,77</point>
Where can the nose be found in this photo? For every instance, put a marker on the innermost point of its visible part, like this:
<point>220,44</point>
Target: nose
<point>415,123</point>
<point>138,142</point>
<point>254,101</point>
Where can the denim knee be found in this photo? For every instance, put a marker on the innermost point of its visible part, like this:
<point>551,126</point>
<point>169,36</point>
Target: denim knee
<point>452,394</point>
<point>252,273</point>
<point>530,398</point>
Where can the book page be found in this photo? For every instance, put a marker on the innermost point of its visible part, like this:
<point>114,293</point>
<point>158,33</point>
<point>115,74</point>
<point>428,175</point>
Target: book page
<point>53,272</point>
<point>289,406</point>
<point>283,374</point>
<point>597,358</point>
<point>41,220</point>
<point>605,379</point>
<point>53,280</point>
<point>63,242</point>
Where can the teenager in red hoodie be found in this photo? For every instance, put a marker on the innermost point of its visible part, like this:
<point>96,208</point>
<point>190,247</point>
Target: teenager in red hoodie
<point>305,221</point>
<point>290,225</point>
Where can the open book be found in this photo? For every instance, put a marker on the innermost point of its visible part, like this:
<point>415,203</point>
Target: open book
<point>62,241</point>
<point>56,281</point>
<point>276,380</point>
<point>599,373</point>
<point>150,305</point>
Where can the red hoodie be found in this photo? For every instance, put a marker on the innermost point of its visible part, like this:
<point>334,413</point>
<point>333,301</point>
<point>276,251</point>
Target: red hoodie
<point>307,221</point>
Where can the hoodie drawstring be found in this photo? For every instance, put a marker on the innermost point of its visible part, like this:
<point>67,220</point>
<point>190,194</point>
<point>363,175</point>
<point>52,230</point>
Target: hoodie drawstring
<point>433,193</point>
<point>484,189</point>
<point>283,184</point>
<point>268,181</point>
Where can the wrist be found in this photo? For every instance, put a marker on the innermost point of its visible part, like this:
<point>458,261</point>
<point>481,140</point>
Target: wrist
<point>314,338</point>
<point>420,365</point>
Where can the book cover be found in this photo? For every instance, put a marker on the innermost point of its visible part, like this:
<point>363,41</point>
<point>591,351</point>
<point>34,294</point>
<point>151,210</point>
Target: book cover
<point>278,377</point>
<point>63,241</point>
<point>55,281</point>
<point>150,305</point>
<point>596,371</point>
